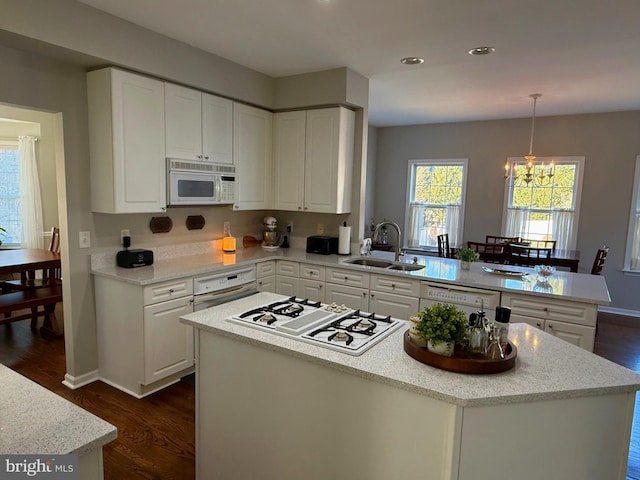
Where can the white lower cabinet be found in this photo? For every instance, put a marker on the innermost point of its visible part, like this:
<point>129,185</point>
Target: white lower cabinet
<point>312,290</point>
<point>573,322</point>
<point>266,276</point>
<point>168,343</point>
<point>287,277</point>
<point>398,306</point>
<point>142,345</point>
<point>352,297</point>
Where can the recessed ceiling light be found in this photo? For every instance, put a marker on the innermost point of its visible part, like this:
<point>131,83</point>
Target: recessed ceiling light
<point>481,51</point>
<point>412,60</point>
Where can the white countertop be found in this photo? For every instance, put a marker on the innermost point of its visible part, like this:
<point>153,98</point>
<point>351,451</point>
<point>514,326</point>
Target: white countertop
<point>200,259</point>
<point>546,367</point>
<point>36,421</point>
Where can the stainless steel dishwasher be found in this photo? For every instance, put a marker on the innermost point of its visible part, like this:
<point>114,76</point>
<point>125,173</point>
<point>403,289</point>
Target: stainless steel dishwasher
<point>221,287</point>
<point>467,299</point>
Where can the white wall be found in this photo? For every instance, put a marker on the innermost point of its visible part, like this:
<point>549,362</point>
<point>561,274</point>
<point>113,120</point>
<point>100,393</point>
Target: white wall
<point>609,141</point>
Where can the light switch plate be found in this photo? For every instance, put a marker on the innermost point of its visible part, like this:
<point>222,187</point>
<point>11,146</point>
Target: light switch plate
<point>85,239</point>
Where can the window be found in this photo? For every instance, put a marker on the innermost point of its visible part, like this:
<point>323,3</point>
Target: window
<point>435,201</point>
<point>632,257</point>
<point>10,217</point>
<point>545,209</point>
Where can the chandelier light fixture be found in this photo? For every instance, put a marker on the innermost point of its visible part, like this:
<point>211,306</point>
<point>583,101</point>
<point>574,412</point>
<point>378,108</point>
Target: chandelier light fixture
<point>523,175</point>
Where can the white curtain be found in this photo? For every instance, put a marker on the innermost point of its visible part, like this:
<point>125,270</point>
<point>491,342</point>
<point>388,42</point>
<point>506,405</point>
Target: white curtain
<point>452,224</point>
<point>416,225</point>
<point>30,201</point>
<point>562,228</point>
<point>635,249</point>
<point>517,219</point>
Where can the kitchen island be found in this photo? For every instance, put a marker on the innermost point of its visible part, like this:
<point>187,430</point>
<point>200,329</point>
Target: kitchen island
<point>35,421</point>
<point>272,407</point>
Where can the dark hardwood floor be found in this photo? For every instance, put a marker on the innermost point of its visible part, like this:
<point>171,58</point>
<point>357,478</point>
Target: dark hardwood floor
<point>156,435</point>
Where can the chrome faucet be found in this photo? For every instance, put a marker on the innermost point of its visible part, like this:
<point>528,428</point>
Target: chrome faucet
<point>397,229</point>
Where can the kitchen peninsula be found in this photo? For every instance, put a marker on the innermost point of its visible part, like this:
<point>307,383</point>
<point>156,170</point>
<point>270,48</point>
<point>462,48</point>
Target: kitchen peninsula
<point>303,411</point>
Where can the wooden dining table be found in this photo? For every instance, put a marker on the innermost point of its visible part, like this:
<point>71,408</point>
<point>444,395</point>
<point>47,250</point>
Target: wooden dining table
<point>26,261</point>
<point>23,260</point>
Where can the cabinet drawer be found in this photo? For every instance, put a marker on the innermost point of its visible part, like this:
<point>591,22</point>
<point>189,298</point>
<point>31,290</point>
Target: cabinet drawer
<point>551,309</point>
<point>267,284</point>
<point>312,272</point>
<point>168,290</point>
<point>347,277</point>
<point>395,284</point>
<point>288,268</point>
<point>265,269</point>
<point>397,306</point>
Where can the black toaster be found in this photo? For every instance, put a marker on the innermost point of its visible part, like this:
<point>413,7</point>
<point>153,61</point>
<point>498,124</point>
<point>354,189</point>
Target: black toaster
<point>322,244</point>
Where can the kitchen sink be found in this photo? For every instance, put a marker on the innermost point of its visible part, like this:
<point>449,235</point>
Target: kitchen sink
<point>370,262</point>
<point>386,264</point>
<point>405,267</point>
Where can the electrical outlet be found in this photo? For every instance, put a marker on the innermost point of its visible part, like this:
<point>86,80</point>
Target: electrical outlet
<point>124,233</point>
<point>85,239</point>
<point>320,228</point>
<point>227,228</point>
<point>289,226</point>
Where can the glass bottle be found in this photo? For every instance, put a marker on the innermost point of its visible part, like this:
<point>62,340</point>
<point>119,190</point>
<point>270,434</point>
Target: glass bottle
<point>477,334</point>
<point>494,349</point>
<point>503,315</point>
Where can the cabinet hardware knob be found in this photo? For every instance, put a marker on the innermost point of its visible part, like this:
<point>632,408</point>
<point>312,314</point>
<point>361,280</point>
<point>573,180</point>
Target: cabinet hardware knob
<point>199,156</point>
<point>372,295</point>
<point>206,158</point>
<point>393,285</point>
<point>550,326</point>
<point>171,290</point>
<point>546,309</point>
<point>364,294</point>
<point>299,208</point>
<point>306,208</point>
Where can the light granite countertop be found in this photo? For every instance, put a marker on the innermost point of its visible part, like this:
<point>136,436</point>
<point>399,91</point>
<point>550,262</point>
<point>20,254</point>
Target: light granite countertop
<point>546,367</point>
<point>181,261</point>
<point>36,421</point>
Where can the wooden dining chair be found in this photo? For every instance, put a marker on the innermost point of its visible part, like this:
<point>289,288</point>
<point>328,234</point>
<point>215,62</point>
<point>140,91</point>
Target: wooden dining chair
<point>598,263</point>
<point>500,240</point>
<point>489,252</point>
<point>443,246</point>
<point>526,255</point>
<point>539,243</point>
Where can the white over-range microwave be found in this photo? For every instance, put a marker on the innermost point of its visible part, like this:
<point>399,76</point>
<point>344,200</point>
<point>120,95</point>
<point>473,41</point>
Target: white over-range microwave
<point>199,183</point>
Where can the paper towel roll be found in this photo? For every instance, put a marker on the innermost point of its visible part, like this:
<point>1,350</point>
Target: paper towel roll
<point>344,241</point>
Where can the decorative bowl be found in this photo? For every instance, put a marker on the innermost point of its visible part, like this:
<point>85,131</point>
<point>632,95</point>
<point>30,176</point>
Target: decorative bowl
<point>544,271</point>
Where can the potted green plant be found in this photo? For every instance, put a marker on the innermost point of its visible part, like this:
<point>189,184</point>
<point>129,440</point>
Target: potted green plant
<point>467,255</point>
<point>442,326</point>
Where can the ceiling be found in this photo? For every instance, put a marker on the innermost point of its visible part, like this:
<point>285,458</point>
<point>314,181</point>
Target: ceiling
<point>584,56</point>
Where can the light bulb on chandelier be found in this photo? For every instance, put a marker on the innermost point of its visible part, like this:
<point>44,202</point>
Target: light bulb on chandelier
<point>540,175</point>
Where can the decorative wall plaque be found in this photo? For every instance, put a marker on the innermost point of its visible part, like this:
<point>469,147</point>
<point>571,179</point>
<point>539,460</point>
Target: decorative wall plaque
<point>160,224</point>
<point>195,222</point>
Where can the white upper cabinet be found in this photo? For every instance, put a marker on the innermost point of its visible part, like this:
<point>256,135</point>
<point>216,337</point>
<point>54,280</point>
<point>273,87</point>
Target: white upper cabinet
<point>313,157</point>
<point>127,144</point>
<point>252,140</point>
<point>199,126</point>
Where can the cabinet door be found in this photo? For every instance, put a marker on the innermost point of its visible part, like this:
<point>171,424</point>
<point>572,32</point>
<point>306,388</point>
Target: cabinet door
<point>126,130</point>
<point>328,160</point>
<point>267,284</point>
<point>312,290</point>
<point>352,297</point>
<point>287,286</point>
<point>578,335</point>
<point>398,306</point>
<point>265,269</point>
<point>289,159</point>
<point>168,343</point>
<point>183,122</point>
<point>534,322</point>
<point>217,129</point>
<point>252,132</point>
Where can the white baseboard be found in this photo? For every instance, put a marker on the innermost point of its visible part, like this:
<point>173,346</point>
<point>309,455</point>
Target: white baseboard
<point>620,311</point>
<point>76,382</point>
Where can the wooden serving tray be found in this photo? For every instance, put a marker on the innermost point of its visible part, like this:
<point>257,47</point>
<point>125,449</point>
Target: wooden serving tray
<point>461,361</point>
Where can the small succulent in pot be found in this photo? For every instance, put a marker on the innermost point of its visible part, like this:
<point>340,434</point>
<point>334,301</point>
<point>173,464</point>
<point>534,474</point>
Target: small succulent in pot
<point>466,254</point>
<point>442,323</point>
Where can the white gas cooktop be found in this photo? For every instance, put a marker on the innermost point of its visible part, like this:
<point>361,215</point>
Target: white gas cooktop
<point>331,326</point>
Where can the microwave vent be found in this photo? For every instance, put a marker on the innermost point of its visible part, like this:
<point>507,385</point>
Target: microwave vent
<point>200,167</point>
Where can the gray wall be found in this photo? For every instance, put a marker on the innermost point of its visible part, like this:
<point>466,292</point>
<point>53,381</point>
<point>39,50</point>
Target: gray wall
<point>608,141</point>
